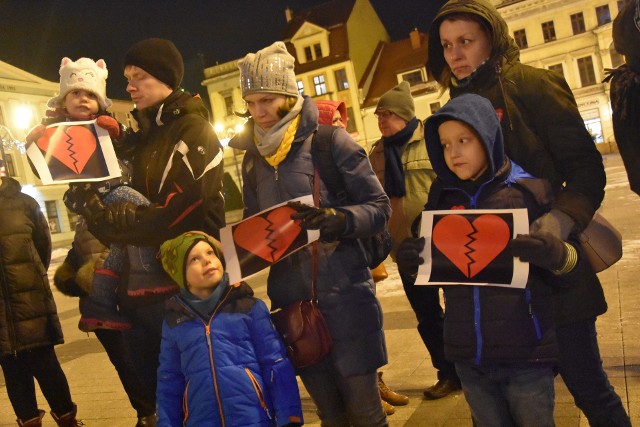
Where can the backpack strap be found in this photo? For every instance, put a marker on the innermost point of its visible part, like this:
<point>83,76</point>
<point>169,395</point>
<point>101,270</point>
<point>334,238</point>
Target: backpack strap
<point>323,160</point>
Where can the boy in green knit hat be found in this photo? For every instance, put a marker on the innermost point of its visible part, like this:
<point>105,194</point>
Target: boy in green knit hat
<point>219,328</point>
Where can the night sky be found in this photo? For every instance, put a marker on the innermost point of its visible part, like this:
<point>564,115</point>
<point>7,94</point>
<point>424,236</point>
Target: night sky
<point>36,34</point>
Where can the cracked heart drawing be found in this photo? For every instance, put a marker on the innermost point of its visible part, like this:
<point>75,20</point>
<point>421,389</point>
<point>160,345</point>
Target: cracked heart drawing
<point>73,146</point>
<point>471,246</point>
<point>268,236</point>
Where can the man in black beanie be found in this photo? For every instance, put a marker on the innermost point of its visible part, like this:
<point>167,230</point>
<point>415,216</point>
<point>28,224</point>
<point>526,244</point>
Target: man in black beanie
<point>176,162</point>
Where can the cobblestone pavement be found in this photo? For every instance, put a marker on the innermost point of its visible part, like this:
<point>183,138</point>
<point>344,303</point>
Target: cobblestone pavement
<point>102,402</point>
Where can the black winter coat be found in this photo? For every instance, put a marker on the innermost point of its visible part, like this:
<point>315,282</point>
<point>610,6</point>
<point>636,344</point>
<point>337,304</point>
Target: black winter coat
<point>28,316</point>
<point>177,164</point>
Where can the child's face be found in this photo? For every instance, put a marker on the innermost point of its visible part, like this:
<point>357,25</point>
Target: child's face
<point>464,153</point>
<point>204,270</point>
<point>81,104</point>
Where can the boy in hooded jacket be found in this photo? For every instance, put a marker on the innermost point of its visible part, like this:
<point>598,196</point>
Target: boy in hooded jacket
<point>501,340</point>
<point>221,360</point>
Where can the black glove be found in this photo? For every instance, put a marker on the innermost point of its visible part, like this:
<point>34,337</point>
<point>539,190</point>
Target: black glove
<point>408,255</point>
<point>84,201</point>
<point>331,223</point>
<point>555,222</point>
<point>542,249</point>
<point>121,214</point>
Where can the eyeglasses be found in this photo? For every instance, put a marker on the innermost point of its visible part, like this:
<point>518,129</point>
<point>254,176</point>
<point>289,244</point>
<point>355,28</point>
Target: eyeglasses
<point>383,114</point>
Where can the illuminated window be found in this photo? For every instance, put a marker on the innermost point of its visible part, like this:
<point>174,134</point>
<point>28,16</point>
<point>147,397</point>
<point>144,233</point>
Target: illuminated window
<point>300,87</point>
<point>434,106</point>
<point>320,84</point>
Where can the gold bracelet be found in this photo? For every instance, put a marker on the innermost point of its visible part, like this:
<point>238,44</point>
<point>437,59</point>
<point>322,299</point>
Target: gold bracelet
<point>570,261</point>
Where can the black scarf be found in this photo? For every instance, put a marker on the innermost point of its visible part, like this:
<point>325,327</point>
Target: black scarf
<point>393,148</point>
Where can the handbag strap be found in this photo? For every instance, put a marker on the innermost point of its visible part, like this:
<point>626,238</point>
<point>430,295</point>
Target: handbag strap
<point>314,245</point>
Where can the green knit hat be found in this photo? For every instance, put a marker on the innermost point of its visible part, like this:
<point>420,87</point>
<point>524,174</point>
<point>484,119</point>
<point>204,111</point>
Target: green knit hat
<point>174,253</point>
<point>399,101</point>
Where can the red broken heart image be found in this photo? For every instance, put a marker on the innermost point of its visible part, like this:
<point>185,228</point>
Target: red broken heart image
<point>71,145</point>
<point>471,246</point>
<point>268,236</point>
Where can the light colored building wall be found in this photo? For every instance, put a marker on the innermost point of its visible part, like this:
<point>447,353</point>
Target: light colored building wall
<point>569,49</point>
<point>365,31</point>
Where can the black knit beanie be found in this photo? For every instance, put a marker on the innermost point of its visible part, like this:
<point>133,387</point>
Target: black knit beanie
<point>158,57</point>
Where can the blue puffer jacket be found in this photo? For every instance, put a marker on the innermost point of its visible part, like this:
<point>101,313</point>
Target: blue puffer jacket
<point>232,371</point>
<point>346,292</point>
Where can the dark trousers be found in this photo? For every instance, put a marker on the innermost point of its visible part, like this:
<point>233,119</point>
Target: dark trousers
<point>143,341</point>
<point>425,302</point>
<point>141,397</point>
<point>581,369</point>
<point>19,373</point>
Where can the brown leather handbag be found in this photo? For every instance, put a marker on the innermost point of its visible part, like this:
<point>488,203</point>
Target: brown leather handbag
<point>601,243</point>
<point>301,325</point>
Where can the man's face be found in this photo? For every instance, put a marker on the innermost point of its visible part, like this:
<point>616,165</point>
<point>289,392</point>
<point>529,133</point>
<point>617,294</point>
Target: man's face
<point>389,123</point>
<point>145,90</point>
<point>81,104</point>
<point>264,108</point>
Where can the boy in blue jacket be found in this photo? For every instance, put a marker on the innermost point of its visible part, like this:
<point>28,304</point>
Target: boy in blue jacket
<point>501,340</point>
<point>221,360</point>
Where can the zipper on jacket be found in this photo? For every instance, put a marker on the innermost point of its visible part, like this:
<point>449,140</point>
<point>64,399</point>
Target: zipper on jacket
<point>277,177</point>
<point>532,313</point>
<point>504,98</point>
<point>185,404</point>
<point>476,323</point>
<point>258,390</point>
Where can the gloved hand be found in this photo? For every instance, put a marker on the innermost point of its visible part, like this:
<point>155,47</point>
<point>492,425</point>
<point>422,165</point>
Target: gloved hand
<point>542,249</point>
<point>556,222</point>
<point>35,133</point>
<point>121,214</point>
<point>83,200</point>
<point>110,124</point>
<point>331,223</point>
<point>408,255</point>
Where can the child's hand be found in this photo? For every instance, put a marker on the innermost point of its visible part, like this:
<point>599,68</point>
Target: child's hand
<point>110,124</point>
<point>35,133</point>
<point>408,255</point>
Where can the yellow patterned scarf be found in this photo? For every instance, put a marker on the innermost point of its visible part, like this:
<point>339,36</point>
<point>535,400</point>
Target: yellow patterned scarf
<point>285,146</point>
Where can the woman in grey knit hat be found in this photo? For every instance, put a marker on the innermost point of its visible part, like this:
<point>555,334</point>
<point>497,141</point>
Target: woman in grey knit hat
<point>278,167</point>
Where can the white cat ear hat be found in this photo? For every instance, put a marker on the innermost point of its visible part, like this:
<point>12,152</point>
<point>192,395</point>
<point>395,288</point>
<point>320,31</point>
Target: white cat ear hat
<point>84,74</point>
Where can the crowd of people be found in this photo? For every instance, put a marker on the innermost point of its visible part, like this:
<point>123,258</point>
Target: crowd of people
<point>191,348</point>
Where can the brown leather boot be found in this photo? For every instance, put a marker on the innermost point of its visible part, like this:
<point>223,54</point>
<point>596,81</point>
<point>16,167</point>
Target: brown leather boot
<point>389,395</point>
<point>68,419</point>
<point>388,408</point>
<point>33,422</point>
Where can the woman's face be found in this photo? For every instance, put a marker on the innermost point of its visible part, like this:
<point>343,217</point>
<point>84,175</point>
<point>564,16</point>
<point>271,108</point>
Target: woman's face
<point>466,45</point>
<point>264,108</point>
